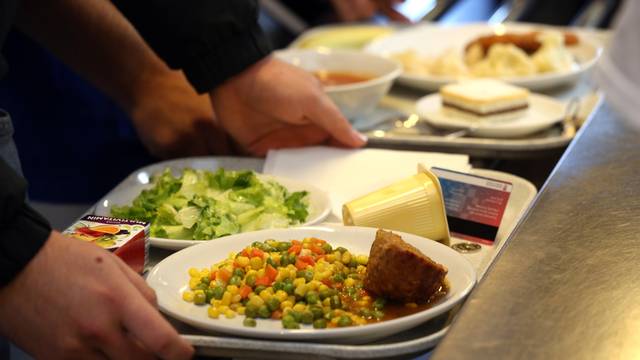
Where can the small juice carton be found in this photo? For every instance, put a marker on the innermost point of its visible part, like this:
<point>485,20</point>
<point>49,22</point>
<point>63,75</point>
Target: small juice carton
<point>128,239</point>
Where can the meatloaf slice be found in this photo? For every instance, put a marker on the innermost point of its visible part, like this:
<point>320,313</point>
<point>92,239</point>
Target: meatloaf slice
<point>400,272</point>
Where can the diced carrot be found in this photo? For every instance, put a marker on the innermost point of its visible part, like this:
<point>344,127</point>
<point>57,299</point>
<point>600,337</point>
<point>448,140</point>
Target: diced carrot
<point>245,252</point>
<point>296,248</point>
<point>320,257</point>
<point>296,242</point>
<point>327,282</point>
<point>308,259</point>
<point>245,290</point>
<point>276,315</point>
<point>271,272</point>
<point>263,280</point>
<point>301,265</point>
<point>257,253</point>
<point>316,249</point>
<point>317,241</point>
<point>224,274</point>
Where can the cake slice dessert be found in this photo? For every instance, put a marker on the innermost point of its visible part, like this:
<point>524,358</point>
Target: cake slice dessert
<point>484,99</point>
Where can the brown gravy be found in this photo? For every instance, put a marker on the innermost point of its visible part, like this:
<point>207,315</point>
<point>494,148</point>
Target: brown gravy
<point>328,78</point>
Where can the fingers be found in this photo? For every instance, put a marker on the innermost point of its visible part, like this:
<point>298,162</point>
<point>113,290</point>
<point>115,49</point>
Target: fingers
<point>118,345</point>
<point>138,282</point>
<point>147,325</point>
<point>324,113</point>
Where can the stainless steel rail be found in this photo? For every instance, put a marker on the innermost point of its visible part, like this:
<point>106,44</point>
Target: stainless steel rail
<point>567,283</point>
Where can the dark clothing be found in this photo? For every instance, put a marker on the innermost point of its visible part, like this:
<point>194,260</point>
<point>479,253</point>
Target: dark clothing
<point>210,41</point>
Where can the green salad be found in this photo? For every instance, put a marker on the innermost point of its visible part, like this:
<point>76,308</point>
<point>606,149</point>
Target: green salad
<point>202,205</point>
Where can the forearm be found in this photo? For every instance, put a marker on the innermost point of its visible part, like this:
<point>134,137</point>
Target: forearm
<point>210,40</point>
<point>97,41</point>
<point>22,230</point>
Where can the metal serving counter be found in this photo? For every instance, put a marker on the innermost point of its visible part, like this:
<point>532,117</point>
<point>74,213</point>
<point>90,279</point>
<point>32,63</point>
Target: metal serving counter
<point>567,282</point>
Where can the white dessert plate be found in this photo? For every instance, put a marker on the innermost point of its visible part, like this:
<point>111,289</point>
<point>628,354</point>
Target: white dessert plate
<point>543,112</point>
<point>433,40</point>
<point>170,278</point>
<point>130,188</point>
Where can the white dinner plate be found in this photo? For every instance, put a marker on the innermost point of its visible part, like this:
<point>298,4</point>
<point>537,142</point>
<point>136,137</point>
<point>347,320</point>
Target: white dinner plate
<point>319,203</point>
<point>432,40</point>
<point>543,112</point>
<point>170,278</point>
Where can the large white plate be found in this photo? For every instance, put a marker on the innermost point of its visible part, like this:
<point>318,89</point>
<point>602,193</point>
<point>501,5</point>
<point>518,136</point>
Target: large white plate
<point>543,112</point>
<point>319,203</point>
<point>433,40</point>
<point>170,278</point>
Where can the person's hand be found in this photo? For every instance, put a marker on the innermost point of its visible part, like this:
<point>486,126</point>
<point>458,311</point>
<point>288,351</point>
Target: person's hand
<point>76,300</point>
<point>172,120</point>
<point>356,10</point>
<point>275,105</point>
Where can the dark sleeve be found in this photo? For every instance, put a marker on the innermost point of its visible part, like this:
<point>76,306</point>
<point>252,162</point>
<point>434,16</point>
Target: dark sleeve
<point>210,40</point>
<point>22,230</point>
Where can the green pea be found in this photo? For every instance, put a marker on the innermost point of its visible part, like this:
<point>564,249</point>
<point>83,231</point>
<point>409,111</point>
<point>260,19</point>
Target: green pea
<point>292,258</point>
<point>205,280</point>
<point>336,303</point>
<point>257,245</point>
<point>344,320</point>
<point>307,317</point>
<point>341,249</point>
<point>319,324</point>
<point>250,280</point>
<point>365,313</point>
<point>208,294</point>
<point>288,288</point>
<point>312,297</point>
<point>284,259</point>
<point>249,322</point>
<point>338,277</point>
<point>218,291</point>
<point>288,280</point>
<point>308,275</point>
<point>354,276</point>
<point>278,285</point>
<point>201,286</point>
<point>289,322</point>
<point>317,311</point>
<point>273,303</point>
<point>284,246</point>
<point>268,248</point>
<point>297,315</point>
<point>238,272</point>
<point>353,263</point>
<point>235,280</point>
<point>327,248</point>
<point>263,312</point>
<point>251,311</point>
<point>259,289</point>
<point>325,294</point>
<point>199,298</point>
<point>379,303</point>
<point>271,262</point>
<point>378,314</point>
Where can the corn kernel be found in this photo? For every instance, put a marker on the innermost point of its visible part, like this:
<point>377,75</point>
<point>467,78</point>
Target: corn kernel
<point>256,301</point>
<point>229,314</point>
<point>362,259</point>
<point>243,261</point>
<point>193,283</point>
<point>193,272</point>
<point>334,321</point>
<point>292,298</point>
<point>226,298</point>
<point>231,255</point>
<point>281,295</point>
<point>265,295</point>
<point>215,302</point>
<point>222,308</point>
<point>205,272</point>
<point>366,298</point>
<point>276,257</point>
<point>256,263</point>
<point>349,282</point>
<point>240,310</point>
<point>286,304</point>
<point>299,307</point>
<point>323,287</point>
<point>314,284</point>
<point>326,302</point>
<point>411,305</point>
<point>299,281</point>
<point>213,312</point>
<point>346,257</point>
<point>236,298</point>
<point>232,289</point>
<point>187,296</point>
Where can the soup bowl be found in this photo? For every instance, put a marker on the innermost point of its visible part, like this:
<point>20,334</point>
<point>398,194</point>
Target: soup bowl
<point>363,78</point>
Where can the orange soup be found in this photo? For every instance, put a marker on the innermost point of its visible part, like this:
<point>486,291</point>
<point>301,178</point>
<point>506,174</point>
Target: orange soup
<point>339,78</point>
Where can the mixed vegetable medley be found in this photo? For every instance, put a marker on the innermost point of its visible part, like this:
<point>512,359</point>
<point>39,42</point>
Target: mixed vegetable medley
<point>202,205</point>
<point>296,282</point>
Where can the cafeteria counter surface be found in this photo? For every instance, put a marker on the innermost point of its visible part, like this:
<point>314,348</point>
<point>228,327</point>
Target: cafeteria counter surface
<point>566,283</point>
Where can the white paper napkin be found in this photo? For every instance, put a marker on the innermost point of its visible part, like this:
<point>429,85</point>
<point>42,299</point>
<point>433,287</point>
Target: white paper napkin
<point>348,174</point>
